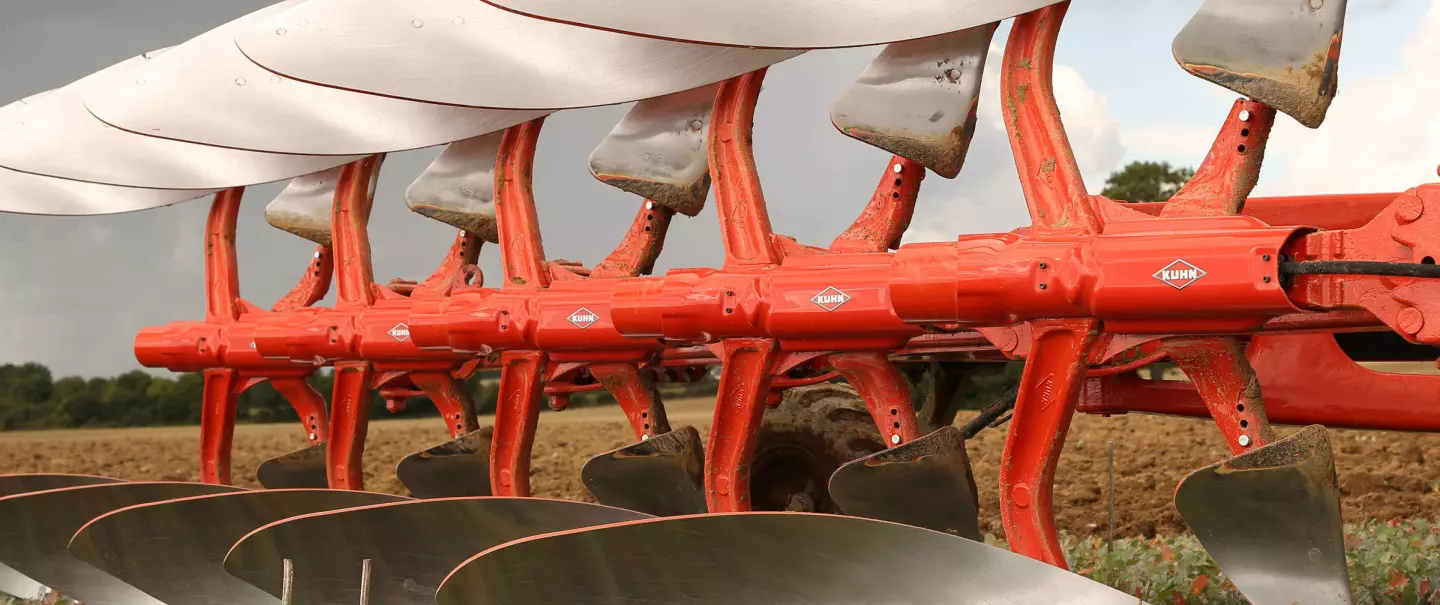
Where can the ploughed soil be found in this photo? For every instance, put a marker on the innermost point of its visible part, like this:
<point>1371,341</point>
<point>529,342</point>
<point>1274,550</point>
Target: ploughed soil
<point>1382,475</point>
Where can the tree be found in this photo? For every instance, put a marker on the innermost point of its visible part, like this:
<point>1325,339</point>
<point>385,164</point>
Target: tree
<point>1146,182</point>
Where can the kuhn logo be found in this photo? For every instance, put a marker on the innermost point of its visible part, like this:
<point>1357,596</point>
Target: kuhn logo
<point>830,299</point>
<point>582,318</point>
<point>1179,274</point>
<point>400,332</point>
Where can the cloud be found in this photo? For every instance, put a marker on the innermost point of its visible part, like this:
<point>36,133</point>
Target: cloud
<point>986,196</point>
<point>1381,133</point>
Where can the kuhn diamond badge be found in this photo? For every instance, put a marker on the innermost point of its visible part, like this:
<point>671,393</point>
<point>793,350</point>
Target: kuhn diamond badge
<point>830,298</point>
<point>1179,274</point>
<point>400,332</point>
<point>582,318</point>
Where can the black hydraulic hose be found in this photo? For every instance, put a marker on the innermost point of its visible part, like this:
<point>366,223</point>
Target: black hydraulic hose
<point>1359,267</point>
<point>991,415</point>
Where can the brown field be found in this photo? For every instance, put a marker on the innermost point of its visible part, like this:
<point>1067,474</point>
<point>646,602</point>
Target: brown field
<point>1382,475</point>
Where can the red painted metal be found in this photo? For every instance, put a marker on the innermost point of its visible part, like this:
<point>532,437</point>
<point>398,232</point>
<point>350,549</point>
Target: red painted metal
<point>516,415</point>
<point>1305,379</point>
<point>887,216</point>
<point>1229,387</point>
<point>349,422</point>
<point>1049,389</point>
<point>1049,174</point>
<point>885,391</point>
<point>634,389</point>
<point>747,365</point>
<point>217,424</point>
<point>745,221</point>
<point>1225,178</point>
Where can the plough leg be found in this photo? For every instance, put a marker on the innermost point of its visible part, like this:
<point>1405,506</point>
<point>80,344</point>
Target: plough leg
<point>516,416</point>
<point>1049,390</point>
<point>1227,384</point>
<point>349,422</point>
<point>747,366</point>
<point>217,424</point>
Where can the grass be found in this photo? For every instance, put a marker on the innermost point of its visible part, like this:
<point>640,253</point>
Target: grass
<point>1389,562</point>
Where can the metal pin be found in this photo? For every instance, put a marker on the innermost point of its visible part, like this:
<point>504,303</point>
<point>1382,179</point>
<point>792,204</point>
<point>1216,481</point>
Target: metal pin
<point>895,439</point>
<point>287,583</point>
<point>365,582</point>
<point>1110,523</point>
<point>1244,115</point>
<point>1244,440</point>
<point>898,168</point>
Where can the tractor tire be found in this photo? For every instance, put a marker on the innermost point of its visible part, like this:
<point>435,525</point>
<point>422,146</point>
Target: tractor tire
<point>814,430</point>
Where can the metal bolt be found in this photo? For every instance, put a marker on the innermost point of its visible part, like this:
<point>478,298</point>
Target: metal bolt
<point>1266,279</point>
<point>312,436</point>
<point>1043,286</point>
<point>317,254</point>
<point>895,439</point>
<point>1408,209</point>
<point>644,437</point>
<point>1042,265</point>
<point>1244,441</point>
<point>649,205</point>
<point>898,168</point>
<point>1410,320</point>
<point>1265,257</point>
<point>1244,115</point>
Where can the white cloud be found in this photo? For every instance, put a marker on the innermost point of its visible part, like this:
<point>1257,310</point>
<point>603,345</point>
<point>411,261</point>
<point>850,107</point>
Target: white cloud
<point>1381,133</point>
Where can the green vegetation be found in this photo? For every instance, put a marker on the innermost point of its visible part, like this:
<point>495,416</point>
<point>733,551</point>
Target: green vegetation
<point>1390,562</point>
<point>1145,182</point>
<point>30,398</point>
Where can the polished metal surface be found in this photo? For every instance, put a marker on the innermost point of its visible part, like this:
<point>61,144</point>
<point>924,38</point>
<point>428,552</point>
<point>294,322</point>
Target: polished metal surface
<point>660,151</point>
<point>25,483</point>
<point>13,582</point>
<point>24,193</point>
<point>468,53</point>
<point>770,558</point>
<point>918,99</point>
<point>206,91</point>
<point>304,206</point>
<point>1271,520</point>
<point>1283,53</point>
<point>411,546</point>
<point>175,550</point>
<point>662,476</point>
<point>926,483</point>
<point>458,188</point>
<point>36,547</point>
<point>300,469</point>
<point>55,135</point>
<point>770,24</point>
<point>455,469</point>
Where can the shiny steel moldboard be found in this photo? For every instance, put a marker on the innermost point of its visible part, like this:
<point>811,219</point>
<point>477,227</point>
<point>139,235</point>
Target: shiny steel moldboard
<point>36,547</point>
<point>55,135</point>
<point>411,546</point>
<point>468,53</point>
<point>175,550</point>
<point>772,558</point>
<point>778,24</point>
<point>206,91</point>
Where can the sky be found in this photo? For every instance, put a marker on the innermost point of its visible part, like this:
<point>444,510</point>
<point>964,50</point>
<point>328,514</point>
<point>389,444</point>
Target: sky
<point>75,290</point>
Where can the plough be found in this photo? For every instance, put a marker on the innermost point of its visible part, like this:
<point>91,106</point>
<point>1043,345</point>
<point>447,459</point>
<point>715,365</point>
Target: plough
<point>1246,295</point>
